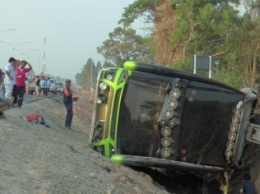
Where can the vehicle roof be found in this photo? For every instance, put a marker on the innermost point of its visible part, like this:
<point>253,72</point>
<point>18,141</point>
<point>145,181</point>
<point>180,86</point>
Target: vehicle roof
<point>159,70</point>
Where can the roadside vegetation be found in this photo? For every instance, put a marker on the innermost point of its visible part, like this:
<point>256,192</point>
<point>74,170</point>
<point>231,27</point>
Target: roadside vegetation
<point>228,30</point>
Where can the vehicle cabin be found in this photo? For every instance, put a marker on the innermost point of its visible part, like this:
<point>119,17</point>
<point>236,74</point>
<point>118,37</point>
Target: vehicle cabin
<point>148,115</point>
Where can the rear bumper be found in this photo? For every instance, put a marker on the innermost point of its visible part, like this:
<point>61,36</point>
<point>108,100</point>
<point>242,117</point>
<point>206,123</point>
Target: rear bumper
<point>163,163</point>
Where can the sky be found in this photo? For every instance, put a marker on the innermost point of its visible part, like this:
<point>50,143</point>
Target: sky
<point>73,30</point>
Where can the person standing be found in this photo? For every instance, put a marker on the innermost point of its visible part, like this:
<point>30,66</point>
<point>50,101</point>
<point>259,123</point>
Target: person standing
<point>248,186</point>
<point>10,78</point>
<point>4,103</point>
<point>1,82</point>
<point>37,85</point>
<point>43,85</point>
<point>21,77</point>
<point>14,92</point>
<point>48,86</point>
<point>68,102</point>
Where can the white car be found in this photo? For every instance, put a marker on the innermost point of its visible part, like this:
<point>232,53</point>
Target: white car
<point>57,87</point>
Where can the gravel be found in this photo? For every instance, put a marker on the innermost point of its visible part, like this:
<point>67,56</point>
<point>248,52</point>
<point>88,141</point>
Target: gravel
<point>36,159</point>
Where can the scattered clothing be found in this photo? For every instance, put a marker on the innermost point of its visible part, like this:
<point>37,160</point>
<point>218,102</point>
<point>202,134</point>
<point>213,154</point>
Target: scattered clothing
<point>36,119</point>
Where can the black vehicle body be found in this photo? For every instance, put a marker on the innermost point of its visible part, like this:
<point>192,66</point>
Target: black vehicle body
<point>178,120</point>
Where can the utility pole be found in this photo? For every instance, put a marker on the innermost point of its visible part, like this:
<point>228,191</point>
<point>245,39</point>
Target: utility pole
<point>210,66</point>
<point>91,76</point>
<point>195,64</point>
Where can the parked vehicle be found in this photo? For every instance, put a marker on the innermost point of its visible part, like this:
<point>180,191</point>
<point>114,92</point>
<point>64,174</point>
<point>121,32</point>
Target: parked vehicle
<point>57,87</point>
<point>52,88</point>
<point>30,81</point>
<point>31,85</point>
<point>151,116</point>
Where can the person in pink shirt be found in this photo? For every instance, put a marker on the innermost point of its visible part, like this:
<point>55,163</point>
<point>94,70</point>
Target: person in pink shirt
<point>20,81</point>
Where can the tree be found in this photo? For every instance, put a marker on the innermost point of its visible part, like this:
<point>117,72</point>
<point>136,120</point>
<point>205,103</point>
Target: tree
<point>139,8</point>
<point>184,27</point>
<point>107,64</point>
<point>78,78</point>
<point>161,13</point>
<point>122,45</point>
<point>249,44</point>
<point>203,27</point>
<point>162,38</point>
<point>99,66</point>
<point>87,75</point>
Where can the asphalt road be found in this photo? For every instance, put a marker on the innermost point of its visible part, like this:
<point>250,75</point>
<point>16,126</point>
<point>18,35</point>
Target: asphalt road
<point>33,98</point>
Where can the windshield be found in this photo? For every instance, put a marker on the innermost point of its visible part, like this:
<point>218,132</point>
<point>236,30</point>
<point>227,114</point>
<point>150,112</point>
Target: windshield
<point>205,117</point>
<point>141,105</point>
<point>59,84</point>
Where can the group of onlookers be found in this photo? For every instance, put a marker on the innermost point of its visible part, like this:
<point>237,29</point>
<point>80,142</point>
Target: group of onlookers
<point>13,87</point>
<point>12,84</point>
<point>43,85</point>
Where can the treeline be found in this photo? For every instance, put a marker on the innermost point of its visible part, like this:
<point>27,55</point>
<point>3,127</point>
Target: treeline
<point>88,76</point>
<point>182,28</point>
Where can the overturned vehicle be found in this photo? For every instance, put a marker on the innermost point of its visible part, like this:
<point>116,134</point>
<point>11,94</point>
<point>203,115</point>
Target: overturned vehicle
<point>147,115</point>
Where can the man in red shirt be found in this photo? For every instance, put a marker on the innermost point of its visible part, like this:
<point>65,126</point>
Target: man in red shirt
<point>68,102</point>
<point>20,81</point>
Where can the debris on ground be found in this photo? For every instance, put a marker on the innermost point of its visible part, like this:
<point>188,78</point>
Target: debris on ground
<point>36,119</point>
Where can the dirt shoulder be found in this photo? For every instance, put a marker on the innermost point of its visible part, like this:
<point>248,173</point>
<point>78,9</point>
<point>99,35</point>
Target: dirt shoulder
<point>36,159</point>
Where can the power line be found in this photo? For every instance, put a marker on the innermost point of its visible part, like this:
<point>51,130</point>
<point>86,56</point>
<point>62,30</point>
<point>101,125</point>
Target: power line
<point>65,60</point>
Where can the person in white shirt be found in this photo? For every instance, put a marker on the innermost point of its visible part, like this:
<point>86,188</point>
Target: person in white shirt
<point>43,85</point>
<point>48,86</point>
<point>2,75</point>
<point>10,78</point>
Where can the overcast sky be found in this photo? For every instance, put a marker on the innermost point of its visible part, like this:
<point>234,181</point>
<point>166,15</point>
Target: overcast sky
<point>73,29</point>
